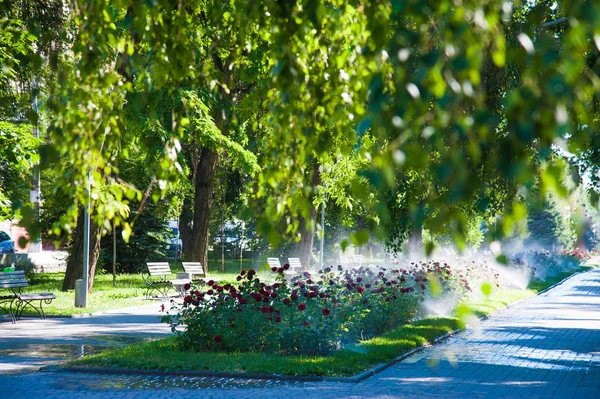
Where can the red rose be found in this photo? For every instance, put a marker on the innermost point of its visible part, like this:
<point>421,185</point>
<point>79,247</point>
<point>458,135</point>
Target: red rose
<point>218,339</point>
<point>210,283</point>
<point>360,290</point>
<point>187,286</point>
<point>305,323</point>
<point>301,306</point>
<point>286,266</point>
<point>278,319</point>
<point>274,269</point>
<point>325,312</point>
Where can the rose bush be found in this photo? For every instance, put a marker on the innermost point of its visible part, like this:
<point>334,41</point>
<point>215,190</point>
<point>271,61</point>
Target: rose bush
<point>312,314</point>
<point>541,264</point>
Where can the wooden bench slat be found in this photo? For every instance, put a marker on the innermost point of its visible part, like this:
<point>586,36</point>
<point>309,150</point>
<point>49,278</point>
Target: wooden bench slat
<point>35,297</point>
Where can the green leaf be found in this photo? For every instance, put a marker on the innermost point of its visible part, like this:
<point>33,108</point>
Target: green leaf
<point>486,289</point>
<point>126,233</point>
<point>343,245</point>
<point>359,238</point>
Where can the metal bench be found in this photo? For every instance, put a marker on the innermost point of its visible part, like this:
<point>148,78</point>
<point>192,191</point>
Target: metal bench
<point>196,269</point>
<point>295,265</point>
<point>15,302</point>
<point>274,262</point>
<point>157,279</point>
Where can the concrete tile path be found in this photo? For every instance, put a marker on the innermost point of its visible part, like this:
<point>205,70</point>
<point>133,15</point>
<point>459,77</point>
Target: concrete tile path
<point>545,347</point>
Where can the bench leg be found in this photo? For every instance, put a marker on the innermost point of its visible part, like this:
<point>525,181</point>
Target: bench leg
<point>8,311</point>
<point>21,305</point>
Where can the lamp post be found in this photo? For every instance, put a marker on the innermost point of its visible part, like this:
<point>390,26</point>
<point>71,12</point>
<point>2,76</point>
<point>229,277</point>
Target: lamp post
<point>322,232</point>
<point>86,245</point>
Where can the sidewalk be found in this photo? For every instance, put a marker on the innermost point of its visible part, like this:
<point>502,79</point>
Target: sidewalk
<point>32,342</point>
<point>545,347</point>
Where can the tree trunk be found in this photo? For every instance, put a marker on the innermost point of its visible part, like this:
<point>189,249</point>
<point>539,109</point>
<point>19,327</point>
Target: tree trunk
<point>185,227</point>
<point>75,259</point>
<point>307,227</point>
<point>203,185</point>
<point>114,255</point>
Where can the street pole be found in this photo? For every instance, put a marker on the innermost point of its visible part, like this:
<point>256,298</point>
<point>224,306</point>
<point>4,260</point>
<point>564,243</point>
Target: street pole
<point>86,245</point>
<point>322,231</point>
<point>34,195</point>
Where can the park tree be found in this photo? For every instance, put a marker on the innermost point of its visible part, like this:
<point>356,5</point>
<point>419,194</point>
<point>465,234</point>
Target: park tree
<point>474,91</point>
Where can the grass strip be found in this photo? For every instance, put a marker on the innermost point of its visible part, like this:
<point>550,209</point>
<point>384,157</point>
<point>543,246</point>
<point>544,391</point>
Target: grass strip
<point>164,354</point>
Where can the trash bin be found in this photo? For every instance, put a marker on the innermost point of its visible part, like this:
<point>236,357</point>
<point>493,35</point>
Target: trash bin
<point>79,287</point>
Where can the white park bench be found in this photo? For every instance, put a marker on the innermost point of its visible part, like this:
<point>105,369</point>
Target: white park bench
<point>158,279</point>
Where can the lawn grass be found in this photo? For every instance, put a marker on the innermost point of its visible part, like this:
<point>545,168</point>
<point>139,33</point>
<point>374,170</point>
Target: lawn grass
<point>165,355</point>
<point>130,291</point>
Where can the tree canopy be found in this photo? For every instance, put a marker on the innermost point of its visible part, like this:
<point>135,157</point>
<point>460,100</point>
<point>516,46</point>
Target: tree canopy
<point>443,112</point>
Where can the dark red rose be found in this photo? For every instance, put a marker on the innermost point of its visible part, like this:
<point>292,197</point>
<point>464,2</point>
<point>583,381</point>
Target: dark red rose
<point>305,323</point>
<point>278,319</point>
<point>242,272</point>
<point>251,272</point>
<point>243,300</point>
<point>286,301</point>
<point>210,292</point>
<point>187,299</point>
<point>187,286</point>
<point>422,286</point>
<point>301,306</point>
<point>286,266</point>
<point>257,297</point>
<point>238,278</point>
<point>312,294</point>
<point>227,286</point>
<point>271,309</point>
<point>274,269</point>
<point>273,294</point>
<point>218,339</point>
<point>325,312</point>
<point>264,309</point>
<point>360,290</point>
<point>196,303</point>
<point>210,283</point>
<point>280,270</point>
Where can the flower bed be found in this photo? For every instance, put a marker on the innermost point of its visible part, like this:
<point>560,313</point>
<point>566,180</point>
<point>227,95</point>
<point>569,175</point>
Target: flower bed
<point>312,315</point>
<point>316,315</point>
<point>539,265</point>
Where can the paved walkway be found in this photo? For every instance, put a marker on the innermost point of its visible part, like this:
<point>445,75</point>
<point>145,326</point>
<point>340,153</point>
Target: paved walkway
<point>547,346</point>
<point>32,343</point>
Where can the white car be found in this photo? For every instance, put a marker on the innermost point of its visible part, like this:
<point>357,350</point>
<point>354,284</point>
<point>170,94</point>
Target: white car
<point>7,244</point>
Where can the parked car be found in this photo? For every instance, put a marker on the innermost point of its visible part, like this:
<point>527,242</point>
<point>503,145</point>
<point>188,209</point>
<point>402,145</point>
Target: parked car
<point>7,244</point>
<point>174,241</point>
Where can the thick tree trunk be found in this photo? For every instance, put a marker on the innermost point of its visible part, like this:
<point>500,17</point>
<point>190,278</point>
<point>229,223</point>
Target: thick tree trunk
<point>203,184</point>
<point>75,259</point>
<point>307,227</point>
